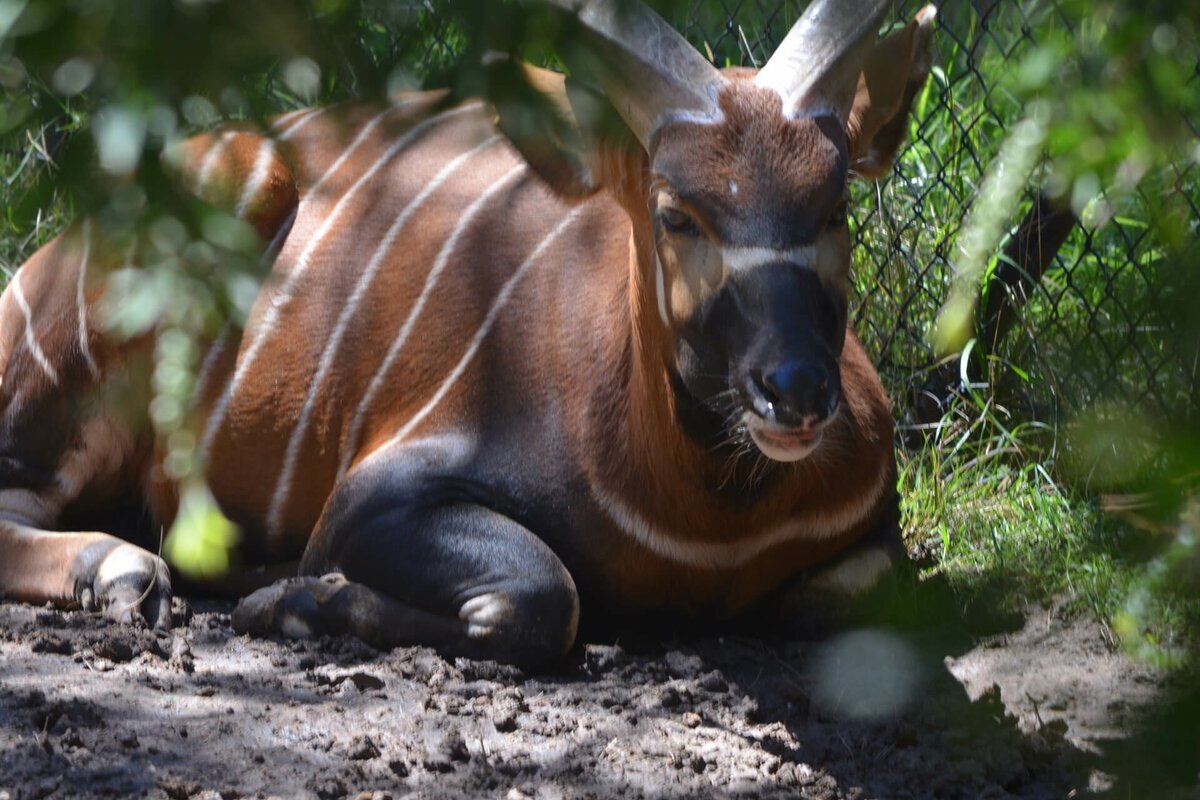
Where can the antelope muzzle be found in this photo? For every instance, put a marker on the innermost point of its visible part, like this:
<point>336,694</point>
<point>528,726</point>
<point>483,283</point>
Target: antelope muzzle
<point>776,333</point>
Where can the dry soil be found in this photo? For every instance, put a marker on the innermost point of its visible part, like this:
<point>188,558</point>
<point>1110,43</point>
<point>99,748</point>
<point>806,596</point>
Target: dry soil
<point>93,709</point>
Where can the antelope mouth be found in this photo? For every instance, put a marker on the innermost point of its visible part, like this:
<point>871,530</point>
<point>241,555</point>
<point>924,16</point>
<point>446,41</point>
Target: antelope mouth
<point>785,444</point>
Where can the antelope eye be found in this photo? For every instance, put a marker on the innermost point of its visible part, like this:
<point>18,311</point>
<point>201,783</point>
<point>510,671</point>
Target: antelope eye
<point>838,218</point>
<point>678,222</point>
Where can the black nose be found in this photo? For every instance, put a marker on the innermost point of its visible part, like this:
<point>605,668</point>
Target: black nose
<point>793,391</point>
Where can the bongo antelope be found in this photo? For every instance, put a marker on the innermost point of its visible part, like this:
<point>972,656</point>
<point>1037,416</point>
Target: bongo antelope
<point>515,366</point>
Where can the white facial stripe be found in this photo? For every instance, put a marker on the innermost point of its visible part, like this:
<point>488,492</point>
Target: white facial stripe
<point>258,177</point>
<point>738,259</point>
<point>30,340</point>
<point>283,484</point>
<point>402,336</point>
<point>732,554</point>
<point>81,300</point>
<point>661,287</point>
<point>276,303</point>
<point>489,321</point>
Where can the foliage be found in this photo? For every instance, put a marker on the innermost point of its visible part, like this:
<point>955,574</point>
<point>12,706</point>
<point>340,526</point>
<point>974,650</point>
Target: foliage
<point>1110,95</point>
<point>93,102</point>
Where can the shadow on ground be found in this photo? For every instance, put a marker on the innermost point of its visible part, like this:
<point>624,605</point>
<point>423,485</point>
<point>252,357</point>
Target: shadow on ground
<point>93,710</point>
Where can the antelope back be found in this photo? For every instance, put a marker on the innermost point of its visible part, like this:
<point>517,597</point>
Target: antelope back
<point>73,393</point>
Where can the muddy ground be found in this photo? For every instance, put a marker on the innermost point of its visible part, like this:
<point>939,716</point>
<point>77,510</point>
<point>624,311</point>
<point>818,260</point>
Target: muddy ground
<point>90,709</point>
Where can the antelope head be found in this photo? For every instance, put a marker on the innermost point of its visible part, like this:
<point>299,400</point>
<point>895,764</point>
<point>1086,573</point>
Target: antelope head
<point>736,183</point>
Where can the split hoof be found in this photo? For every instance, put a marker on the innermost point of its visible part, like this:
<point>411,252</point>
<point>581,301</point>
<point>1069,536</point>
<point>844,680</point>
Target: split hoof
<point>127,583</point>
<point>293,608</point>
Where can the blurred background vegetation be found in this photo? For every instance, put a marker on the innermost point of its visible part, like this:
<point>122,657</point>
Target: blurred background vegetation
<point>1050,454</point>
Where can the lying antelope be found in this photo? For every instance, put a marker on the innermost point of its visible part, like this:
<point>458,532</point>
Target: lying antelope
<point>499,375</point>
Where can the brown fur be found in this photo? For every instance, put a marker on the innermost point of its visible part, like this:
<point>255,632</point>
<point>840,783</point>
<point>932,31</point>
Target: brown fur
<point>790,169</point>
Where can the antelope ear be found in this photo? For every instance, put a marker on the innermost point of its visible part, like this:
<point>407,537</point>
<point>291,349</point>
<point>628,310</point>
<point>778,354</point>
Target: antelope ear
<point>894,72</point>
<point>560,127</point>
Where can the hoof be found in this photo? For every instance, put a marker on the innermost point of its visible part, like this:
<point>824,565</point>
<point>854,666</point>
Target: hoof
<point>291,607</point>
<point>127,583</point>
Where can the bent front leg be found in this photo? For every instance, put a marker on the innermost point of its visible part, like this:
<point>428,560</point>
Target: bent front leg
<point>406,567</point>
<point>94,570</point>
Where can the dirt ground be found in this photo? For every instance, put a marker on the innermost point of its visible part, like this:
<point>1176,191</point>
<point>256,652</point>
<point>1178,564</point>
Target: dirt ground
<point>90,709</point>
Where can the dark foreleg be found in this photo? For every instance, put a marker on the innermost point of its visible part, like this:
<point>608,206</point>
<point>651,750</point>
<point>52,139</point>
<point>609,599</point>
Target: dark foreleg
<point>408,559</point>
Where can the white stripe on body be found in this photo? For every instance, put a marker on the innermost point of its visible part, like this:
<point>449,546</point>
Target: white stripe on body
<point>276,303</point>
<point>288,118</point>
<point>489,321</point>
<point>224,340</point>
<point>30,340</point>
<point>276,243</point>
<point>296,124</point>
<point>283,484</point>
<point>435,273</point>
<point>258,177</point>
<point>209,163</point>
<point>81,300</point>
<point>745,548</point>
<point>366,131</point>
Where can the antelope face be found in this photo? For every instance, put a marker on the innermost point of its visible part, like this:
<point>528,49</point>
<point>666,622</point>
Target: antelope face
<point>752,254</point>
<point>745,205</point>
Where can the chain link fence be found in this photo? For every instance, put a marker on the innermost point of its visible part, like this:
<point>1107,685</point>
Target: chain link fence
<point>1084,327</point>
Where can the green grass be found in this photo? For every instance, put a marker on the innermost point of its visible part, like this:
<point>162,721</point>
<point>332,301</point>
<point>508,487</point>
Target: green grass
<point>19,171</point>
<point>988,505</point>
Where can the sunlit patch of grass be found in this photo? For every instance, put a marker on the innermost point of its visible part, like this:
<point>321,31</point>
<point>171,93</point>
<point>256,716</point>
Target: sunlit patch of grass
<point>986,505</point>
<point>1002,518</point>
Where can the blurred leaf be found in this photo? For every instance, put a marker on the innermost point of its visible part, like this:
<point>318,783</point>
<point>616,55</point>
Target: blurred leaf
<point>202,540</point>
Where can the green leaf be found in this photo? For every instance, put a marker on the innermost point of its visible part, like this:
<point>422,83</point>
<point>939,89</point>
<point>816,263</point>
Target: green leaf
<point>201,542</point>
